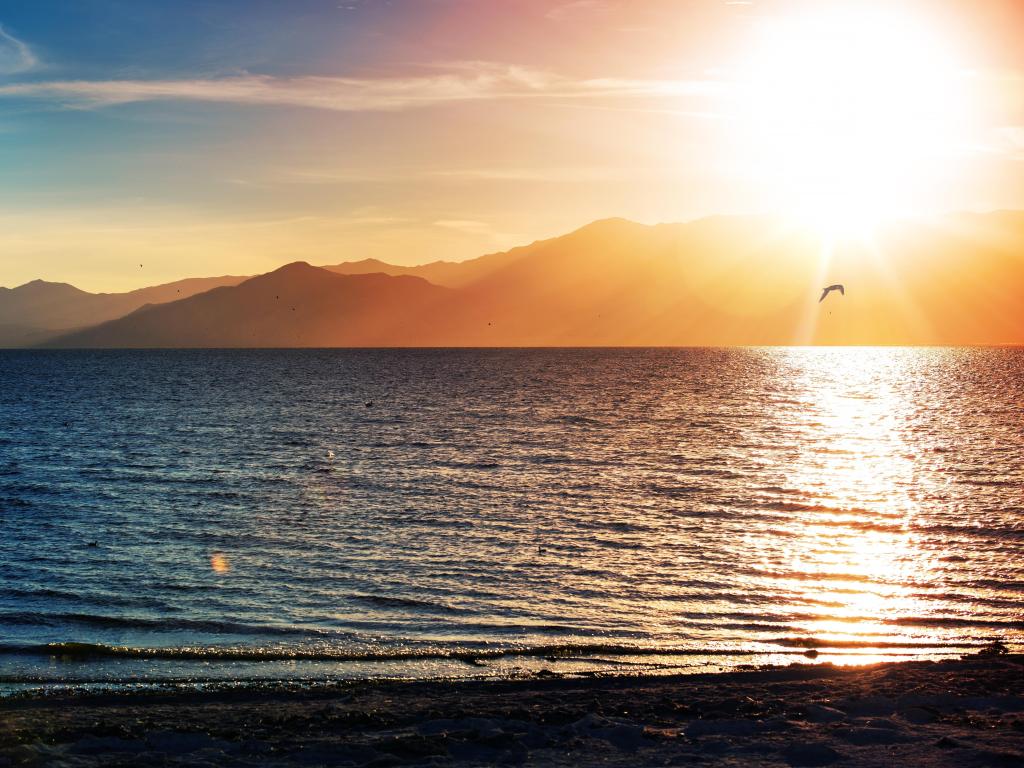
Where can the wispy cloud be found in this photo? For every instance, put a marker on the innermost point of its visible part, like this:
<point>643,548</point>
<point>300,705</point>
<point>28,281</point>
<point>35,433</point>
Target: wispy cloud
<point>574,7</point>
<point>464,225</point>
<point>524,174</point>
<point>1007,140</point>
<point>458,175</point>
<point>15,55</point>
<point>476,82</point>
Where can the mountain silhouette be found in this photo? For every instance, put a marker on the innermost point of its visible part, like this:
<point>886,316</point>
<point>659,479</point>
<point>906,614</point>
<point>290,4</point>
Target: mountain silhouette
<point>725,280</point>
<point>450,274</point>
<point>295,306</point>
<point>39,310</point>
<point>615,282</point>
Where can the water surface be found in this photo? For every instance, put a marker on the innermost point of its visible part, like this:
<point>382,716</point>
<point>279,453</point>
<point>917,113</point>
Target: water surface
<point>204,515</point>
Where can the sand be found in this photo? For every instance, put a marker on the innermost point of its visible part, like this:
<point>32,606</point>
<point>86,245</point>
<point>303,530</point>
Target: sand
<point>953,713</point>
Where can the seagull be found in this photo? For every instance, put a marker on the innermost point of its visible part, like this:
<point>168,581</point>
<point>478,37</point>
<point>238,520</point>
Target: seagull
<point>826,291</point>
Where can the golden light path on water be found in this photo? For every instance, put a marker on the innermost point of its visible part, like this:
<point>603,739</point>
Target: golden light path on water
<point>858,462</point>
<point>849,557</point>
<point>849,550</point>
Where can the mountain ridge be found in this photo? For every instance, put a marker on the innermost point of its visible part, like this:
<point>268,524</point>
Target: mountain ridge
<point>295,305</point>
<point>720,280</point>
<point>40,308</point>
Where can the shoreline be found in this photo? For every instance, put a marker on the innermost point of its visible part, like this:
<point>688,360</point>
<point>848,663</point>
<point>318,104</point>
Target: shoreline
<point>963,712</point>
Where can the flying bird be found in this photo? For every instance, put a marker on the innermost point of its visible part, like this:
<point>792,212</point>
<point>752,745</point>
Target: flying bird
<point>826,291</point>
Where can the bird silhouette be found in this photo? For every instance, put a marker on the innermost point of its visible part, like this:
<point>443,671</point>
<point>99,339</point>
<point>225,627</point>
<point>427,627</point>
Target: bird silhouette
<point>826,291</point>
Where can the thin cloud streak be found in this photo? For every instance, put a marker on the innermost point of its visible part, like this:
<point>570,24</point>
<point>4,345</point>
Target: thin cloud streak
<point>464,225</point>
<point>15,55</point>
<point>341,94</point>
<point>555,174</point>
<point>570,9</point>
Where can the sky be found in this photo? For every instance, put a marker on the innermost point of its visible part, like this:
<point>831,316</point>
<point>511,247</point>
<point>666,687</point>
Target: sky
<point>143,141</point>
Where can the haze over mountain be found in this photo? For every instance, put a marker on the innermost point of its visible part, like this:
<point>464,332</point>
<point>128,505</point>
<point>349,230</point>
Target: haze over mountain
<point>451,274</point>
<point>747,280</point>
<point>39,310</point>
<point>295,306</point>
<point>716,281</point>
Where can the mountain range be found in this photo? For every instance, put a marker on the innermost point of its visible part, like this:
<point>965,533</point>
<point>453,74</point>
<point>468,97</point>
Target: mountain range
<point>722,280</point>
<point>40,310</point>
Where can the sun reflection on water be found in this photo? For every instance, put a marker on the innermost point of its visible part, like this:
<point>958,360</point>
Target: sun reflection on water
<point>854,547</point>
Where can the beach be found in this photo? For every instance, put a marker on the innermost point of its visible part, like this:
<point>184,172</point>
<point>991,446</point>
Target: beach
<point>968,712</point>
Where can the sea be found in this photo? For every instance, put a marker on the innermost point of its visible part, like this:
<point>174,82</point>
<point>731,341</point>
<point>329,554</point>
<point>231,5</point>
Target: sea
<point>301,517</point>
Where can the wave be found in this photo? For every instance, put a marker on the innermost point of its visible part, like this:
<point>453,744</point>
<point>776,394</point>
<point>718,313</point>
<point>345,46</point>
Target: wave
<point>954,621</point>
<point>987,483</point>
<point>388,601</point>
<point>551,458</point>
<point>817,642</point>
<point>129,601</point>
<point>161,624</point>
<point>857,525</point>
<point>968,530</point>
<point>699,472</point>
<point>577,420</point>
<point>795,506</point>
<point>471,465</point>
<point>553,652</point>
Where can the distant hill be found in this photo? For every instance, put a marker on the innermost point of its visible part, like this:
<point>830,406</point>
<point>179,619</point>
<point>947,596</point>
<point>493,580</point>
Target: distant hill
<point>717,281</point>
<point>39,310</point>
<point>294,306</point>
<point>450,274</point>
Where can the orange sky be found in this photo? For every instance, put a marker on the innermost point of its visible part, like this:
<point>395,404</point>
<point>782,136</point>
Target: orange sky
<point>200,143</point>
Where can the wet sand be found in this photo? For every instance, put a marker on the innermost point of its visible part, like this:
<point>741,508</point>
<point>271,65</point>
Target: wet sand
<point>954,713</point>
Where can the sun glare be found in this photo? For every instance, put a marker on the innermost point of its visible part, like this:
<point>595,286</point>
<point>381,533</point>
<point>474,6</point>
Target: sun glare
<point>848,114</point>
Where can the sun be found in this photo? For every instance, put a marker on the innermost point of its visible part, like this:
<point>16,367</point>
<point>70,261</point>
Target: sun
<point>850,113</point>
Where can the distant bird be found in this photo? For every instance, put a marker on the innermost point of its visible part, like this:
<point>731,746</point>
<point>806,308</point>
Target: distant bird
<point>330,455</point>
<point>93,544</point>
<point>369,403</point>
<point>826,291</point>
